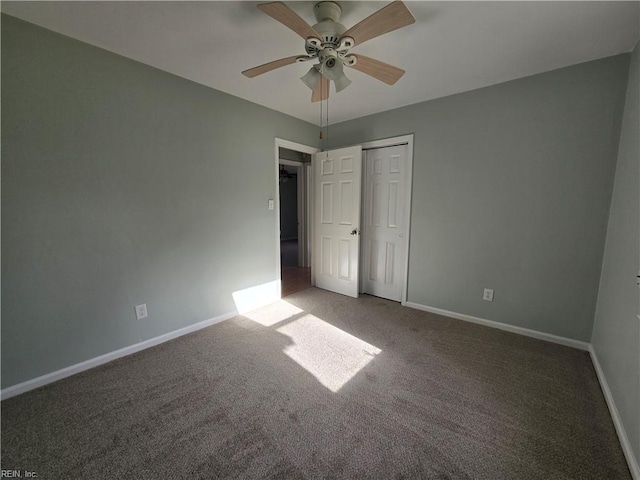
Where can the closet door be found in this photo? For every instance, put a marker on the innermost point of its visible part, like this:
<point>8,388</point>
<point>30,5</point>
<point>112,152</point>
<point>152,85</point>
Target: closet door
<point>385,238</point>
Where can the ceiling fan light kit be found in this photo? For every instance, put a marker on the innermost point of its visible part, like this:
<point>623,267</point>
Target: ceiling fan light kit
<point>311,78</point>
<point>341,83</point>
<point>329,42</point>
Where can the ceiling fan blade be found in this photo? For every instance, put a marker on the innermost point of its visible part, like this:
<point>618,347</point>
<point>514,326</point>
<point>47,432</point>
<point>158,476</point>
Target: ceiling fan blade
<point>267,67</point>
<point>321,92</point>
<point>382,71</point>
<point>289,18</point>
<point>393,16</point>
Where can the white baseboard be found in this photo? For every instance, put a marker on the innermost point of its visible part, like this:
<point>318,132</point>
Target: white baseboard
<point>94,362</point>
<point>632,461</point>
<point>569,342</point>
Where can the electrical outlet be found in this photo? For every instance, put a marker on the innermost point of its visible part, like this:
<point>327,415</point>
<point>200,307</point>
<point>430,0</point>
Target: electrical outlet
<point>141,311</point>
<point>488,295</point>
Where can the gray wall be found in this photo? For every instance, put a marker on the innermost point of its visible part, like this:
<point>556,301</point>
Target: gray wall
<point>511,191</point>
<point>121,185</point>
<point>616,332</point>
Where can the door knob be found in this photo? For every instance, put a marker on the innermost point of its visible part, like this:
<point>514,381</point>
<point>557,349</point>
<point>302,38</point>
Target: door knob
<point>355,232</point>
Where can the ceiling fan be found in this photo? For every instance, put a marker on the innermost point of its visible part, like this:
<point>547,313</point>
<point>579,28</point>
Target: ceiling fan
<point>285,174</point>
<point>330,42</point>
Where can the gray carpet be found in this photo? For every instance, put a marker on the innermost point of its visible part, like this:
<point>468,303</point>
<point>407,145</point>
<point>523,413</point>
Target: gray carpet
<point>338,388</point>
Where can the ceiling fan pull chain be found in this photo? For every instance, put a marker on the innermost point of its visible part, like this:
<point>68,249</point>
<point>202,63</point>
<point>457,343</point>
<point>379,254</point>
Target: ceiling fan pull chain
<point>327,109</point>
<point>328,86</point>
<point>321,95</point>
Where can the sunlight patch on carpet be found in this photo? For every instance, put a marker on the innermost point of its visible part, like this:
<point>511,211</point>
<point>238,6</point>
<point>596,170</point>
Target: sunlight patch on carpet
<point>331,355</point>
<point>274,313</point>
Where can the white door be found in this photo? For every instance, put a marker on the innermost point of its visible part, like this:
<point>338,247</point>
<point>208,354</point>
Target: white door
<point>337,180</point>
<point>385,233</point>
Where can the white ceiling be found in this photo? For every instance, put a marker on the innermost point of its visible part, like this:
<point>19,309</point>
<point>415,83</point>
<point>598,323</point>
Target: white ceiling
<point>452,47</point>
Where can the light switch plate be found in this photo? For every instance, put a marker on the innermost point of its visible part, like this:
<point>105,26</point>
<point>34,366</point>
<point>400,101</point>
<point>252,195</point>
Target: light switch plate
<point>271,204</point>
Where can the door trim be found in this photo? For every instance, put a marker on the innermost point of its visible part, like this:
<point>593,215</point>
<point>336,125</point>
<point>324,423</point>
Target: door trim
<point>298,147</point>
<point>390,142</point>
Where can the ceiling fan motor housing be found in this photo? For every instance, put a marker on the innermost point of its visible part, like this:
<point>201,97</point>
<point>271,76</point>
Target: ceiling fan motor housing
<point>327,15</point>
<point>327,11</point>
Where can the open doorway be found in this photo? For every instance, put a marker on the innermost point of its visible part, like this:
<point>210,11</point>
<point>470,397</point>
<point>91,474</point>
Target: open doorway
<point>293,216</point>
<point>291,175</point>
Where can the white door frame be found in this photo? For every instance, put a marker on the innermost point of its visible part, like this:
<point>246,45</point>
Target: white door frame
<point>298,147</point>
<point>390,142</point>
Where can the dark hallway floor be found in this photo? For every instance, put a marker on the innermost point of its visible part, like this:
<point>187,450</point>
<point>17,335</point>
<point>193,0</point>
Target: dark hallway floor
<point>294,278</point>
